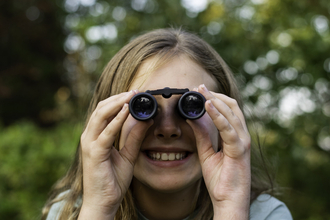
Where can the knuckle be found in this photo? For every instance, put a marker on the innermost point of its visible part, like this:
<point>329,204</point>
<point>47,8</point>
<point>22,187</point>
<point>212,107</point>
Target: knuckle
<point>232,113</point>
<point>218,122</point>
<point>213,98</point>
<point>83,136</point>
<point>248,142</point>
<point>109,131</point>
<point>232,137</point>
<point>97,111</point>
<point>232,102</point>
<point>101,139</point>
<point>229,129</point>
<point>100,104</point>
<point>218,116</point>
<point>84,148</point>
<point>237,121</point>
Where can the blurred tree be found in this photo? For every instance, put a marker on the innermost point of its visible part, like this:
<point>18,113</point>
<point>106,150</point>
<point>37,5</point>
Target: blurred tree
<point>31,67</point>
<point>32,160</point>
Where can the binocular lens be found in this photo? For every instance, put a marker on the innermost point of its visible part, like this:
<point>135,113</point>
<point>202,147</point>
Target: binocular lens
<point>143,106</point>
<point>192,105</point>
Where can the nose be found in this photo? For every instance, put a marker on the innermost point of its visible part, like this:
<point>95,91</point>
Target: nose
<point>167,121</point>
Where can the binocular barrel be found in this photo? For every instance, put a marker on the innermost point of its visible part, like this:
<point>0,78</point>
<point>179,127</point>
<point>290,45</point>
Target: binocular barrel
<point>191,105</point>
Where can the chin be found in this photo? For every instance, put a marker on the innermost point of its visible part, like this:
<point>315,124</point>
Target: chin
<point>170,183</point>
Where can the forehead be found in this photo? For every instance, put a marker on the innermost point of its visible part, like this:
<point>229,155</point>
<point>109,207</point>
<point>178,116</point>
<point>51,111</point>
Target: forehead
<point>179,72</point>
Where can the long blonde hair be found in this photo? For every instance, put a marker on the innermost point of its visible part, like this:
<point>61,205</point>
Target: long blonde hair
<point>164,44</point>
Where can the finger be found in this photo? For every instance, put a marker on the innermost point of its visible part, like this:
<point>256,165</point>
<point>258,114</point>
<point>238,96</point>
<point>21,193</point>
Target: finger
<point>108,135</point>
<point>227,132</point>
<point>225,111</point>
<point>204,144</point>
<point>220,121</point>
<point>137,134</point>
<point>232,145</point>
<point>105,111</point>
<point>233,105</point>
<point>114,97</point>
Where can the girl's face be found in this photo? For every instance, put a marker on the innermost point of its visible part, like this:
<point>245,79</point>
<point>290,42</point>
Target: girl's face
<point>168,159</point>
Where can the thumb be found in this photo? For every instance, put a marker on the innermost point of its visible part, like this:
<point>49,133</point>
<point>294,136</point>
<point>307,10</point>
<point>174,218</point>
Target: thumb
<point>203,141</point>
<point>134,140</point>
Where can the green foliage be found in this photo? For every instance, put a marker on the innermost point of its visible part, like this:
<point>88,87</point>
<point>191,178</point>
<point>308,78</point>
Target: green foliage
<point>32,160</point>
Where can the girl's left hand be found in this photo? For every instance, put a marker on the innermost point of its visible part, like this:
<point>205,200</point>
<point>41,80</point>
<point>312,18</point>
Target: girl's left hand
<point>226,173</point>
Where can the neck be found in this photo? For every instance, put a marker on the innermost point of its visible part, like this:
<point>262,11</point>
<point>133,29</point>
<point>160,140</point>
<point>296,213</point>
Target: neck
<point>157,205</point>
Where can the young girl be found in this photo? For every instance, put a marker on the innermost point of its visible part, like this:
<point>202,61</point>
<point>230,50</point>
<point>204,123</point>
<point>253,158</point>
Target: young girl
<point>167,167</point>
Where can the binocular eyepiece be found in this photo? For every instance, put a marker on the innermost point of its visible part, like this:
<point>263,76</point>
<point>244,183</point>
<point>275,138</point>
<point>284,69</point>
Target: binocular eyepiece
<point>191,104</point>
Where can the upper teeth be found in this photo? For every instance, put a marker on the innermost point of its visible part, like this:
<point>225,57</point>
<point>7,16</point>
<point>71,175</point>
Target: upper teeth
<point>166,156</point>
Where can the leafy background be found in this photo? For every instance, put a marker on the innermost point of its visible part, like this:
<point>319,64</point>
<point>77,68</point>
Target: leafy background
<point>53,52</point>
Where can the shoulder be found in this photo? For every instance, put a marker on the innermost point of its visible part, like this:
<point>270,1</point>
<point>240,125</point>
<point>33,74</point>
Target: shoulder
<point>57,208</point>
<point>269,208</point>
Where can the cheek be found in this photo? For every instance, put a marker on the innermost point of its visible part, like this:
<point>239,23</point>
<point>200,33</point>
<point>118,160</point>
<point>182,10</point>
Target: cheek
<point>125,130</point>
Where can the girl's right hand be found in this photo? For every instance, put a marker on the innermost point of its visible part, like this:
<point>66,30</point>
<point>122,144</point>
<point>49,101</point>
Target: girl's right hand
<point>107,172</point>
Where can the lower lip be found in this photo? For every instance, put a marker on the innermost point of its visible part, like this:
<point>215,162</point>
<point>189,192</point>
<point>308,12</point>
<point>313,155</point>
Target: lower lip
<point>167,163</point>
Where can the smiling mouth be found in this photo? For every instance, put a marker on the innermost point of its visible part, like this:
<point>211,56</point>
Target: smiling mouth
<point>166,156</point>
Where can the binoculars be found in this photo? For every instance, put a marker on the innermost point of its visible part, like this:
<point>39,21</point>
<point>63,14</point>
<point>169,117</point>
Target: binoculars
<point>191,105</point>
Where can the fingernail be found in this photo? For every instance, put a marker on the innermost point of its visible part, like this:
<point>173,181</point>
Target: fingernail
<point>132,92</point>
<point>203,87</point>
<point>208,102</point>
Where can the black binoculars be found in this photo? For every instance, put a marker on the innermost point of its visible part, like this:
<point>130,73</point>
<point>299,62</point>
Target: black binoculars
<point>191,104</point>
